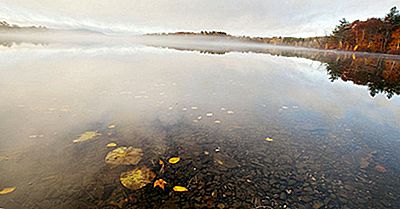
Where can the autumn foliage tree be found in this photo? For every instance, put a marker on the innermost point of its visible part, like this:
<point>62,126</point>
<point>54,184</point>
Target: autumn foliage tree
<point>373,35</point>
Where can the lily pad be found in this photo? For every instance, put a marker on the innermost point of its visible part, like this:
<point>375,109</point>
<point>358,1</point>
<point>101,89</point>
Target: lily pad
<point>124,156</point>
<point>86,136</point>
<point>137,178</point>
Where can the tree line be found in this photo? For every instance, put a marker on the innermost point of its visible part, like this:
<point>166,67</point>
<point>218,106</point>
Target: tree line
<point>378,35</point>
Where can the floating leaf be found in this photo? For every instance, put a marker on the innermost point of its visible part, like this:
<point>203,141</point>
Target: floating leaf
<point>380,169</point>
<point>137,178</point>
<point>111,126</point>
<point>112,144</point>
<point>225,161</point>
<point>3,158</point>
<point>124,156</point>
<point>180,189</point>
<point>160,183</point>
<point>86,136</point>
<point>162,166</point>
<point>210,114</point>
<point>174,160</point>
<point>269,139</point>
<point>7,190</point>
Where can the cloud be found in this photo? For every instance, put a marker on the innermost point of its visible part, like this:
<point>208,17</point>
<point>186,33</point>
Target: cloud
<point>251,17</point>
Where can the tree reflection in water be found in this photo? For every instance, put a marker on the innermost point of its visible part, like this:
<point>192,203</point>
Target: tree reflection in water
<point>380,72</point>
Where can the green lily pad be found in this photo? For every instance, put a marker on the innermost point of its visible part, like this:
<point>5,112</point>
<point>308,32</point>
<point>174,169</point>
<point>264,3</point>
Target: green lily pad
<point>124,156</point>
<point>137,178</point>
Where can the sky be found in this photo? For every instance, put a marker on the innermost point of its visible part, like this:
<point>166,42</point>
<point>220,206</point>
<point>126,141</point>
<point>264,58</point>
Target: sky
<point>301,18</point>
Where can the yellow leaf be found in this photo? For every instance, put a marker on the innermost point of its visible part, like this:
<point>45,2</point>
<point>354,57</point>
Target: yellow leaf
<point>355,48</point>
<point>7,190</point>
<point>111,126</point>
<point>174,160</point>
<point>86,136</point>
<point>353,56</point>
<point>161,162</point>
<point>112,144</point>
<point>160,183</point>
<point>180,189</point>
<point>269,139</point>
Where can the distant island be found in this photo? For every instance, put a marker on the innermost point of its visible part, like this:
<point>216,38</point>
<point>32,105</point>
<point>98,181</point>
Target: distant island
<point>376,35</point>
<point>6,27</point>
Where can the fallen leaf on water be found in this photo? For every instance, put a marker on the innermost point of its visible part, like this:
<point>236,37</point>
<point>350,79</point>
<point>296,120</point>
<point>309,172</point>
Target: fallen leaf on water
<point>111,126</point>
<point>180,189</point>
<point>174,160</point>
<point>3,158</point>
<point>112,144</point>
<point>217,121</point>
<point>162,166</point>
<point>160,183</point>
<point>366,160</point>
<point>124,156</point>
<point>380,169</point>
<point>269,139</point>
<point>210,114</point>
<point>137,178</point>
<point>86,136</point>
<point>7,190</point>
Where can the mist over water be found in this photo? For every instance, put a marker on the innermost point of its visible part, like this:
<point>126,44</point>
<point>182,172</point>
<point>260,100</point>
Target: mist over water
<point>333,117</point>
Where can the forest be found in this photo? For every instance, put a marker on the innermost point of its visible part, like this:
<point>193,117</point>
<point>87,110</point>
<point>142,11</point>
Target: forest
<point>377,35</point>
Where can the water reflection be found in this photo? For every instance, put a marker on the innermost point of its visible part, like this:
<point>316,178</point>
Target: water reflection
<point>380,73</point>
<point>9,42</point>
<point>251,130</point>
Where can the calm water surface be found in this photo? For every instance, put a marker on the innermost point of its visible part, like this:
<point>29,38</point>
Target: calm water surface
<point>332,124</point>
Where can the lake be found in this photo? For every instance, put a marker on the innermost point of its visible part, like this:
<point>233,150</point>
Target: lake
<point>248,127</point>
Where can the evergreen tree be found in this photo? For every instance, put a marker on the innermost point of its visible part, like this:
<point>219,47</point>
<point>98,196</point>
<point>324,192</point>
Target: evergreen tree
<point>393,17</point>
